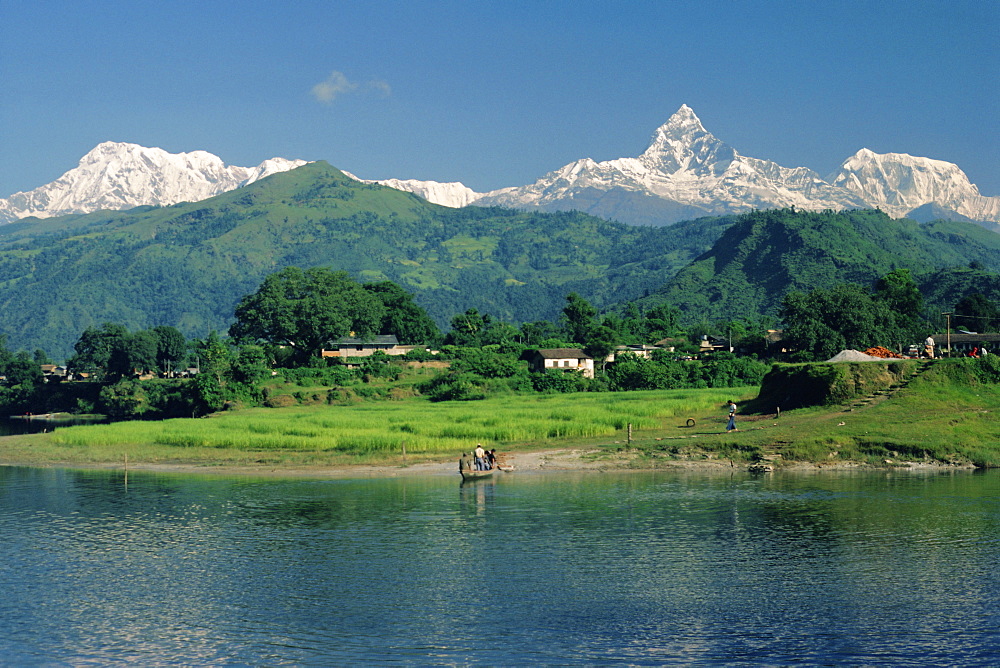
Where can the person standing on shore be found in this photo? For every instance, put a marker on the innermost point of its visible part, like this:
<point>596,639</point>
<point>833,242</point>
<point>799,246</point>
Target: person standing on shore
<point>732,417</point>
<point>929,347</point>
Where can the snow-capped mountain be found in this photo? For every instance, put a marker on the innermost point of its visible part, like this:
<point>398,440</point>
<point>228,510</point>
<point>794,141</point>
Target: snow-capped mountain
<point>687,172</point>
<point>688,166</point>
<point>898,183</point>
<point>120,176</point>
<point>454,194</point>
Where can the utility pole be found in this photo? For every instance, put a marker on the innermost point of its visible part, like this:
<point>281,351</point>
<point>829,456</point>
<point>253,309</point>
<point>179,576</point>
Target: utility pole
<point>947,331</point>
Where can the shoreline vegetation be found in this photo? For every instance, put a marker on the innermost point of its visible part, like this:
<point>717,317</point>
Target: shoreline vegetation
<point>939,416</point>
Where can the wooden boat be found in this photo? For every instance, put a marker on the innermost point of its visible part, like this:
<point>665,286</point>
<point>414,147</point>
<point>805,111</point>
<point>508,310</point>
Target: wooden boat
<point>476,475</point>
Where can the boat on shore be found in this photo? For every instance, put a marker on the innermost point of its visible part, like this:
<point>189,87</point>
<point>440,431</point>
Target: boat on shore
<point>476,475</point>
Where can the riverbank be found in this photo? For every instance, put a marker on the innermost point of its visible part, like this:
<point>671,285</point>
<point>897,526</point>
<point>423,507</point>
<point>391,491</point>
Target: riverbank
<point>941,418</point>
<point>561,460</point>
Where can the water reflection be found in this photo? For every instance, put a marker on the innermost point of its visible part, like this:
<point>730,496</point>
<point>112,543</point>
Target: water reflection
<point>36,424</point>
<point>632,568</point>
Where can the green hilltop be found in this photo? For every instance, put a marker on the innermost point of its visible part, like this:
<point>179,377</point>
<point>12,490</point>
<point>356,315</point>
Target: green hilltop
<point>765,254</point>
<point>187,265</point>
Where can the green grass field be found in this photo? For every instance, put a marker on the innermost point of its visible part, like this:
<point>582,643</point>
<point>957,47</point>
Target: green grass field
<point>379,431</point>
<point>943,417</point>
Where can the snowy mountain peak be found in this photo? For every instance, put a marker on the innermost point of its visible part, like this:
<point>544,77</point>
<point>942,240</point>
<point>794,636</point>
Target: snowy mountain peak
<point>682,143</point>
<point>898,183</point>
<point>119,175</point>
<point>684,122</point>
<point>685,172</point>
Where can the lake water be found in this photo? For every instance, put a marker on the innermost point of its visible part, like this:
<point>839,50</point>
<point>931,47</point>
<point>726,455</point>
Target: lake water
<point>879,568</point>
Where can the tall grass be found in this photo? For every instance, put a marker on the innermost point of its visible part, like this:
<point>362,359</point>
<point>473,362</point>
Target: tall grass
<point>424,427</point>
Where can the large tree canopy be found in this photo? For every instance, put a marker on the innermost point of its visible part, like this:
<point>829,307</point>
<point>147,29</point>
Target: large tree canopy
<point>303,309</point>
<point>403,316</point>
<point>824,322</point>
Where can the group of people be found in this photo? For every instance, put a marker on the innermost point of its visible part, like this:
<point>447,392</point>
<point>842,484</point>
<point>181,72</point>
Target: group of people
<point>483,460</point>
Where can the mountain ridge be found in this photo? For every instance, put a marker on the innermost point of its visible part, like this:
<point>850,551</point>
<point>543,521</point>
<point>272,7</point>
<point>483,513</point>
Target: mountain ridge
<point>121,175</point>
<point>187,265</point>
<point>695,173</point>
<point>685,172</point>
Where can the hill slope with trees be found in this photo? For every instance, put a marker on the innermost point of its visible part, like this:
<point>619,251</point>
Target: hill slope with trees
<point>188,265</point>
<point>766,254</point>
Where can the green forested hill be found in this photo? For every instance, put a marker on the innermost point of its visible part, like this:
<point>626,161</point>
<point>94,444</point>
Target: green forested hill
<point>765,254</point>
<point>187,265</point>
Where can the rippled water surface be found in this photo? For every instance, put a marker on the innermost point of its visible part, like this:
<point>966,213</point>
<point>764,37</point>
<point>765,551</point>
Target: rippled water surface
<point>632,568</point>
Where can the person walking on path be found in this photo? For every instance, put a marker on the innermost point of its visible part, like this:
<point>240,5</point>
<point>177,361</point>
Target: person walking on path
<point>732,417</point>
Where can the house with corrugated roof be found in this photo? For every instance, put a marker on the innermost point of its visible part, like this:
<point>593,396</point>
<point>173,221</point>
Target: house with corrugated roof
<point>350,346</point>
<point>564,359</point>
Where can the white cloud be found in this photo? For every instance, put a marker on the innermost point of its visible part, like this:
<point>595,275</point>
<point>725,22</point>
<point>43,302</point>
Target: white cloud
<point>338,84</point>
<point>381,87</point>
<point>335,84</point>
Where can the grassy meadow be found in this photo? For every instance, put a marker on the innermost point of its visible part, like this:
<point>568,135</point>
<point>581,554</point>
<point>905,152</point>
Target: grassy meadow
<point>378,431</point>
<point>946,416</point>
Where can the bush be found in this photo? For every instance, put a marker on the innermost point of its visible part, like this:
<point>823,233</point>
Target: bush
<point>552,380</point>
<point>453,387</point>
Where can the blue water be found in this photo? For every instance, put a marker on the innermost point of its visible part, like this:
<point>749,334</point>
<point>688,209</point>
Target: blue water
<point>570,569</point>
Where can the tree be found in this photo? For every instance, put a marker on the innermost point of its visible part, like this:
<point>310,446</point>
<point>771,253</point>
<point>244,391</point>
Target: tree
<point>536,332</point>
<point>578,318</point>
<point>403,316</point>
<point>102,350</point>
<point>171,346</point>
<point>306,309</point>
<point>824,322</point>
<point>977,313</point>
<point>601,342</point>
<point>214,365</point>
<point>250,366</point>
<point>500,333</point>
<point>900,292</point>
<point>21,378</point>
<point>140,351</point>
<point>662,321</point>
<point>466,328</point>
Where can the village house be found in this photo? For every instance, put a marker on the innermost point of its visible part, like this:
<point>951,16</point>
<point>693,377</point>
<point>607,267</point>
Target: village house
<point>638,349</point>
<point>350,346</point>
<point>710,344</point>
<point>962,343</point>
<point>564,359</point>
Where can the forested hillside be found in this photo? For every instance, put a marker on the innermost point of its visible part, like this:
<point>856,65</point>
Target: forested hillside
<point>187,265</point>
<point>766,254</point>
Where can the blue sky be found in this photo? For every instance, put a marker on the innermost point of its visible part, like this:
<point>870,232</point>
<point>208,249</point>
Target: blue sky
<point>495,94</point>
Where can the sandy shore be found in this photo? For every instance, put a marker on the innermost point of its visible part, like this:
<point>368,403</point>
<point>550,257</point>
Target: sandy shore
<point>554,460</point>
<point>550,461</point>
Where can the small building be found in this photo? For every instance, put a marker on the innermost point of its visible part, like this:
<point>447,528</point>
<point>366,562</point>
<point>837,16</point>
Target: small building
<point>963,343</point>
<point>350,346</point>
<point>564,359</point>
<point>638,349</point>
<point>709,344</point>
<point>671,344</point>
